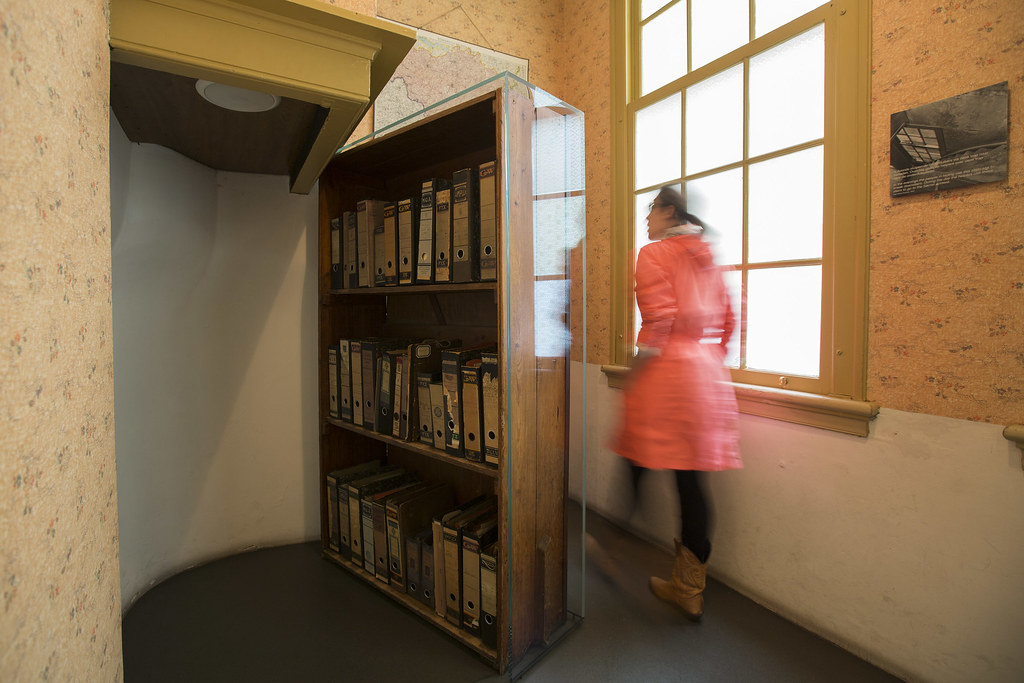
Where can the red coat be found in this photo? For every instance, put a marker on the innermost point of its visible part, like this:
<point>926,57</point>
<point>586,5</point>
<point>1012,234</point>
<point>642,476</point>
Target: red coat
<point>679,412</point>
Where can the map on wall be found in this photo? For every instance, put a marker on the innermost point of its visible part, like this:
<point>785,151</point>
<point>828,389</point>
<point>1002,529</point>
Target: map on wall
<point>438,67</point>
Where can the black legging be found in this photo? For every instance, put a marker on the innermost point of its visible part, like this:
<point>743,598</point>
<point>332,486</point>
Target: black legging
<point>693,507</point>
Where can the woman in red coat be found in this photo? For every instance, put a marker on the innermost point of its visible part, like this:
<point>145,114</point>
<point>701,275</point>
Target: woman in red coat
<point>679,410</point>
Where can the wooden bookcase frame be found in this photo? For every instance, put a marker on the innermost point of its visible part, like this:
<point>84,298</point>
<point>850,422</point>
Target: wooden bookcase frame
<point>531,482</point>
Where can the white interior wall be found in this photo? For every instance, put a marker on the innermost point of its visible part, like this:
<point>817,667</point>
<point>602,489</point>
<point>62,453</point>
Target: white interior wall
<point>214,298</point>
<point>903,547</point>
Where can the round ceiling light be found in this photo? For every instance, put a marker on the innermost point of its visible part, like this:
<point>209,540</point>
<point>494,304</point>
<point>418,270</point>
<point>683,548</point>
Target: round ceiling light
<point>236,99</point>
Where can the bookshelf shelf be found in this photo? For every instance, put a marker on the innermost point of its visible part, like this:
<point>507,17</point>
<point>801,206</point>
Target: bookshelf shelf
<point>537,144</point>
<point>416,447</point>
<point>416,289</point>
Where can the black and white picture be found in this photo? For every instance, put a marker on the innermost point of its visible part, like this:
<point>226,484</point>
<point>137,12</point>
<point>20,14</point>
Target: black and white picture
<point>955,142</point>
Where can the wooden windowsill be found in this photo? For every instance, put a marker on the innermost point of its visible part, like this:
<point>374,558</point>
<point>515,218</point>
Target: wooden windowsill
<point>824,412</point>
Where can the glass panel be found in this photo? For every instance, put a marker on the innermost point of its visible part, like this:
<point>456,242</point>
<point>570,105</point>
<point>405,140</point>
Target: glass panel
<point>718,28</point>
<point>542,306</point>
<point>771,14</point>
<point>558,140</point>
<point>784,210</point>
<point>714,121</point>
<point>558,225</point>
<point>658,142</point>
<point>649,7</point>
<point>787,93</point>
<point>734,283</point>
<point>784,320</point>
<point>718,201</point>
<point>663,49</point>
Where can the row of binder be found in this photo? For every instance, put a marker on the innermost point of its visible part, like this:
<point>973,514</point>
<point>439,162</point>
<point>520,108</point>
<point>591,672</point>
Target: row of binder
<point>411,535</point>
<point>447,234</point>
<point>434,391</point>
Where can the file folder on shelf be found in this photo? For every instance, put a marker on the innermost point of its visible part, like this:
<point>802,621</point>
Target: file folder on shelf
<point>337,265</point>
<point>413,549</point>
<point>356,367</point>
<point>465,226</point>
<point>375,543</point>
<point>369,215</point>
<point>426,424</point>
<point>426,592</point>
<point>489,595</point>
<point>408,516</point>
<point>408,221</point>
<point>443,236</point>
<point>345,380</point>
<point>389,252</point>
<point>356,490</point>
<point>385,392</point>
<point>437,414</point>
<point>401,363</point>
<point>490,388</point>
<point>333,409</point>
<point>488,221</point>
<point>452,528</point>
<point>471,415</point>
<point>350,249</point>
<point>452,361</point>
<point>340,507</point>
<point>424,356</point>
<point>474,538</point>
<point>425,251</point>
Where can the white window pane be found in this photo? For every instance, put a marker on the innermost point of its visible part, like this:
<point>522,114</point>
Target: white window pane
<point>734,283</point>
<point>785,207</point>
<point>658,142</point>
<point>649,7</point>
<point>771,14</point>
<point>784,320</point>
<point>787,93</point>
<point>663,49</point>
<point>718,201</point>
<point>719,27</point>
<point>714,121</point>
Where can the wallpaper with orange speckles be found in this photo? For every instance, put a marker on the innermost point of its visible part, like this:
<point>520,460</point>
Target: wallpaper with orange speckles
<point>60,606</point>
<point>947,268</point>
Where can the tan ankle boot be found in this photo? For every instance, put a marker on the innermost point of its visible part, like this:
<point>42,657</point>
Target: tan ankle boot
<point>686,588</point>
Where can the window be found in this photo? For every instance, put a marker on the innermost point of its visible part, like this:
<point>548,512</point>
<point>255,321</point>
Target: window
<point>757,111</point>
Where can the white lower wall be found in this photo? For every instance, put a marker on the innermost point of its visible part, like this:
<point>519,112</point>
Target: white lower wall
<point>904,547</point>
<point>214,298</point>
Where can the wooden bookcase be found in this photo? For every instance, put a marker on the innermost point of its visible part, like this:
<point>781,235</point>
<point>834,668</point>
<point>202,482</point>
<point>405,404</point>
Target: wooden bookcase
<point>531,479</point>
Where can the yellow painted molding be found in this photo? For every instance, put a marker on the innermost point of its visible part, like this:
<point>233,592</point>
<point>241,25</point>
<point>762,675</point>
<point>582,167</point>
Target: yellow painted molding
<point>1015,433</point>
<point>299,49</point>
<point>835,414</point>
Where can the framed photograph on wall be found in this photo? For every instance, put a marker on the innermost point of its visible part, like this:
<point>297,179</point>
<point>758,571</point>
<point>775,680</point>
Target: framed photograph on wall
<point>955,142</point>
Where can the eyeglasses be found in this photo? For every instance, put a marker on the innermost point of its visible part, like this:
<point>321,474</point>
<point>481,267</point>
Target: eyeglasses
<point>655,205</point>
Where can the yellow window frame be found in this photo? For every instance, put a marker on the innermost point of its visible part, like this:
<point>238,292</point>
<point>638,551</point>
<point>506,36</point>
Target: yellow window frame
<point>837,399</point>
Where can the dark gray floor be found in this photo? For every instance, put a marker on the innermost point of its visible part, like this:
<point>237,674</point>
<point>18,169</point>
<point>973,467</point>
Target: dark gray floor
<point>285,614</point>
